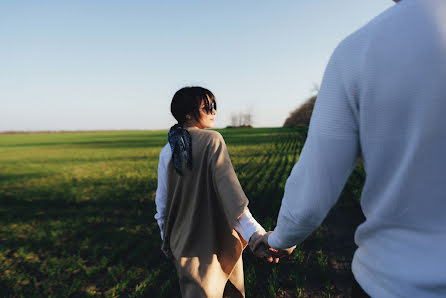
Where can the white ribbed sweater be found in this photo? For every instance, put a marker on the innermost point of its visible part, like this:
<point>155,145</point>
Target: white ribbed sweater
<point>384,94</point>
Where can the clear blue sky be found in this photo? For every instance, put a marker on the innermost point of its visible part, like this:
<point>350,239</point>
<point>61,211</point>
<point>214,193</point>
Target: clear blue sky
<point>86,65</point>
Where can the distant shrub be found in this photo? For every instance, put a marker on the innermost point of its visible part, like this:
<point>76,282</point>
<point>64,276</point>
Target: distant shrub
<point>302,115</point>
<point>242,126</point>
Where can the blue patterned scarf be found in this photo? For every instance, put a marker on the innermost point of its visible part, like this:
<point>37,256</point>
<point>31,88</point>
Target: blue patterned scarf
<point>181,143</point>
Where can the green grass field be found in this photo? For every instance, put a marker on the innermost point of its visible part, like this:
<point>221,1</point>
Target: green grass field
<point>76,212</point>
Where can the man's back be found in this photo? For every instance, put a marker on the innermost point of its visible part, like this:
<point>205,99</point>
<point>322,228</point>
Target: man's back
<point>384,93</point>
<point>402,114</point>
<point>402,129</point>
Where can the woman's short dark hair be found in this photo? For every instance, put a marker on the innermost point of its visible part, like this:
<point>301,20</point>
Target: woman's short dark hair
<point>188,100</point>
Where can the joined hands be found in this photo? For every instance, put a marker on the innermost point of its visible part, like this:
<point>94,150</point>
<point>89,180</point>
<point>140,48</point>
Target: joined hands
<point>258,243</point>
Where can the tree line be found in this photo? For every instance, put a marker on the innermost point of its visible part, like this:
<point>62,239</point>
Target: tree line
<point>302,115</point>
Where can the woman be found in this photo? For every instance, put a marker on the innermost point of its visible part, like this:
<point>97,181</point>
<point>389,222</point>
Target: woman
<point>201,208</point>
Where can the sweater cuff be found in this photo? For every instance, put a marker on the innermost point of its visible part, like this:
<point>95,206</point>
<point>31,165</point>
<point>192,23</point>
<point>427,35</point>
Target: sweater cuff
<point>287,234</point>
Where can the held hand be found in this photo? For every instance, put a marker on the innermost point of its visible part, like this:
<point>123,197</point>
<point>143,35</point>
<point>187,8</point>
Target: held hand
<point>260,247</point>
<point>166,251</point>
<point>258,243</point>
<point>285,252</point>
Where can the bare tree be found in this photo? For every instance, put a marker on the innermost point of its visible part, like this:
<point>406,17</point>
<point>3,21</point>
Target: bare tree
<point>315,89</point>
<point>247,119</point>
<point>234,120</point>
<point>241,119</point>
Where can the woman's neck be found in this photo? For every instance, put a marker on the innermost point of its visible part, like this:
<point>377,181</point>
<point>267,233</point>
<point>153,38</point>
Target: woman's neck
<point>190,124</point>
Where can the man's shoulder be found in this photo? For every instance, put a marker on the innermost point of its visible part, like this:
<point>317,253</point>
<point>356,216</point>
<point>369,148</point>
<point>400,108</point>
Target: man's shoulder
<point>358,39</point>
<point>353,42</point>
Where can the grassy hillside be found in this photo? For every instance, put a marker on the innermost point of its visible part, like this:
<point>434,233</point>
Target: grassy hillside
<point>76,216</point>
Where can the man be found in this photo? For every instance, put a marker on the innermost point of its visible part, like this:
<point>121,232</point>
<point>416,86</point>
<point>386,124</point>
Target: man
<point>383,94</point>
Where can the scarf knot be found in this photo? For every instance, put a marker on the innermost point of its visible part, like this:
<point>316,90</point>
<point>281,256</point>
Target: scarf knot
<point>180,142</point>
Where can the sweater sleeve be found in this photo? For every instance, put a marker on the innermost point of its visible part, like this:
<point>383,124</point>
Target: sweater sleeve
<point>327,158</point>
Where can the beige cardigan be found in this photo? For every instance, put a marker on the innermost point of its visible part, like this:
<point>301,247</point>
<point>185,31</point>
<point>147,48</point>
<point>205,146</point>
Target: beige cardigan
<point>201,209</point>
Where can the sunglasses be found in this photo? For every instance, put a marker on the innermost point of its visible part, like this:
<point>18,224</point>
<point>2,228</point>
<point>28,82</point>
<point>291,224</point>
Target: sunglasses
<point>212,107</point>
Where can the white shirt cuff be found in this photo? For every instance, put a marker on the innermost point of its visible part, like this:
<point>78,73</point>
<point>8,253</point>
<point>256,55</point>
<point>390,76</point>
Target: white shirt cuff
<point>246,225</point>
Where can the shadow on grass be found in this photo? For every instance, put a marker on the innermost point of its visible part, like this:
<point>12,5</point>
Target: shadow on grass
<point>63,240</point>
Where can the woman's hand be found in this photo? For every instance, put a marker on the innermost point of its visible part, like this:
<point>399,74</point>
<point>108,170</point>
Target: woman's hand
<point>258,243</point>
<point>261,249</point>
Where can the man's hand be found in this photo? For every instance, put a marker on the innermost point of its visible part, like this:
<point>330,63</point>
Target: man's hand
<point>258,243</point>
<point>260,248</point>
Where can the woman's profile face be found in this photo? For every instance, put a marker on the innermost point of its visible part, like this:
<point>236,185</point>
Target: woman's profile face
<point>207,116</point>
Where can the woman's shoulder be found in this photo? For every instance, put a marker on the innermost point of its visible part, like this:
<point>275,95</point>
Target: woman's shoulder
<point>210,136</point>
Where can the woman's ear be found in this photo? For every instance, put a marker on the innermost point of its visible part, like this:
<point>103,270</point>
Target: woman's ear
<point>188,117</point>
